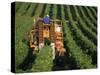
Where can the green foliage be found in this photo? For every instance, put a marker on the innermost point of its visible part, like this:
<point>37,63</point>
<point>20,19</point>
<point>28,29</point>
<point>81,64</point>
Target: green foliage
<point>47,9</point>
<point>44,60</point>
<point>39,10</point>
<point>86,31</point>
<point>87,21</point>
<point>54,12</point>
<point>79,35</point>
<point>47,41</point>
<point>87,45</point>
<point>22,27</point>
<point>83,60</point>
<point>90,15</point>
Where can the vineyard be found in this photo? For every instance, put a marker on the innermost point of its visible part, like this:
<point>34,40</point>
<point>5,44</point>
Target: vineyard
<point>80,36</point>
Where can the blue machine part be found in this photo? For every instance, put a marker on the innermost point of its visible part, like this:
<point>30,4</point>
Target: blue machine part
<point>46,20</point>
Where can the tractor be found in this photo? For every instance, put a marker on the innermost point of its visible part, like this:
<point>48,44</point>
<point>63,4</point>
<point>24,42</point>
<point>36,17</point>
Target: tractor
<point>45,28</point>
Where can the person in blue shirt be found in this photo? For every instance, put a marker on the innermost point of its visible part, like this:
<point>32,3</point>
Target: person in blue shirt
<point>46,19</point>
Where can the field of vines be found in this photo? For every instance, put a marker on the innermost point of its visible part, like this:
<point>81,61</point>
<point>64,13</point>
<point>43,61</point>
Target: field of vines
<point>80,36</point>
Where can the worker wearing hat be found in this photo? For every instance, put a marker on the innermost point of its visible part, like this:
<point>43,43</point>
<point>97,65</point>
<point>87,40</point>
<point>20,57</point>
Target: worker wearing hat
<point>46,19</point>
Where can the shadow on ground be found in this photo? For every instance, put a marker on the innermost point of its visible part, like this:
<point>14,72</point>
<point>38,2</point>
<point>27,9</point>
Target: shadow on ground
<point>65,62</point>
<point>28,61</point>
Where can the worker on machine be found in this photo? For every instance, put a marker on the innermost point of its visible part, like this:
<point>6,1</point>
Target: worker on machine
<point>62,51</point>
<point>46,19</point>
<point>34,47</point>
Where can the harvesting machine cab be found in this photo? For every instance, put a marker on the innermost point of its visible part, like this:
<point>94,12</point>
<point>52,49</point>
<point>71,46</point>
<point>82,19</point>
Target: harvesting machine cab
<point>46,28</point>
